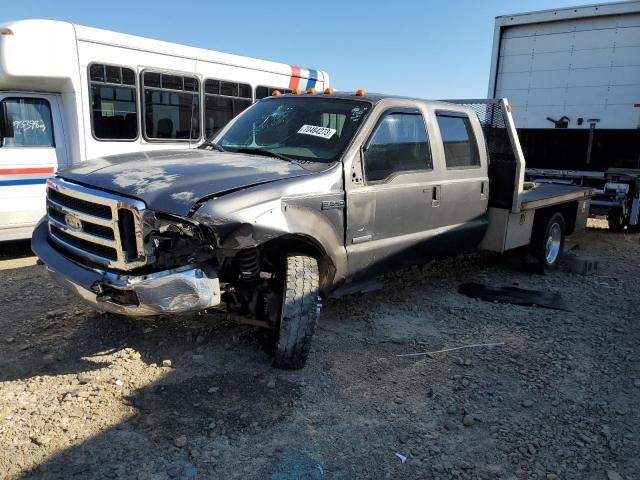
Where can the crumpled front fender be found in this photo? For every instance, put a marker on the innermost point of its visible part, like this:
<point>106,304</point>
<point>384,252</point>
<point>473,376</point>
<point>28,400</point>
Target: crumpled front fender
<point>252,217</point>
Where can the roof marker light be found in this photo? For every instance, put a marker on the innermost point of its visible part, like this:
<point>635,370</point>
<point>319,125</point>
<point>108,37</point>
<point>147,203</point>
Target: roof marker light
<point>275,93</point>
<point>310,91</point>
<point>359,92</point>
<point>295,91</point>
<point>328,91</point>
<point>6,31</point>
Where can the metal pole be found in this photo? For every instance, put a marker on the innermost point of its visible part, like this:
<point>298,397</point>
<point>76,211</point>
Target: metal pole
<point>592,128</point>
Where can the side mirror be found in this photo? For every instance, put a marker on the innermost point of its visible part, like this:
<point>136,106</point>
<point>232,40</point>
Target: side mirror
<point>6,123</point>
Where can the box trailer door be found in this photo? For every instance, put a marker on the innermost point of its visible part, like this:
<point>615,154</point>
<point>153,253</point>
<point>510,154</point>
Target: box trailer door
<point>578,68</point>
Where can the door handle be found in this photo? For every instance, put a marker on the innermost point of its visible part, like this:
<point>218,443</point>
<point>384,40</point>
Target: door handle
<point>435,196</point>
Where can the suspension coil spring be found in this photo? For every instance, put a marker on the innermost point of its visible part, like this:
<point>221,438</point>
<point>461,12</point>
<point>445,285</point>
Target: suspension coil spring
<point>248,263</point>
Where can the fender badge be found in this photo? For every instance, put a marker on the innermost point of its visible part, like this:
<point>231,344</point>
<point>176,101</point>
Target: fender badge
<point>332,204</point>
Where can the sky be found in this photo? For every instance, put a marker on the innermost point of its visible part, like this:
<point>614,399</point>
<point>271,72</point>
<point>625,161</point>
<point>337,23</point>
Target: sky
<point>423,48</point>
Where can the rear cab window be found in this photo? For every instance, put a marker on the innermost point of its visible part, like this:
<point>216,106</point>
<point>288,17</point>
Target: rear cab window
<point>458,139</point>
<point>32,122</point>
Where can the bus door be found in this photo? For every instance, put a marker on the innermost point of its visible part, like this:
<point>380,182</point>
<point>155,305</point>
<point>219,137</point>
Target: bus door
<point>34,151</point>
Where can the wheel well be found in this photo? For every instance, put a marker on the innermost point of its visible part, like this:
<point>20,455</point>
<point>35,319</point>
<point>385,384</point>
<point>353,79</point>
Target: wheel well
<point>307,246</point>
<point>568,210</point>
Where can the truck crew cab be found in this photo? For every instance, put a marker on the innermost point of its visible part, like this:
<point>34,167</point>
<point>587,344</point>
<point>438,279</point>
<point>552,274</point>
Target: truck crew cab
<point>296,197</point>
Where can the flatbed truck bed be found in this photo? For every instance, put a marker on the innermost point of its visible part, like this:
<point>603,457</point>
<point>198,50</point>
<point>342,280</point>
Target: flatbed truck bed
<point>514,203</point>
<point>548,194</point>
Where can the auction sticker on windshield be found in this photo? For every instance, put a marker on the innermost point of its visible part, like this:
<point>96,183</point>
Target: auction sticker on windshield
<point>322,132</point>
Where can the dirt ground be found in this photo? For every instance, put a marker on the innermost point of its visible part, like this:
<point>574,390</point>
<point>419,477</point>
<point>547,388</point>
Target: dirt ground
<point>91,396</point>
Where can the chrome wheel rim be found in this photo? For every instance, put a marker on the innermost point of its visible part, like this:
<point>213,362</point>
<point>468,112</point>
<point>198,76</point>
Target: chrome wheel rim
<point>554,241</point>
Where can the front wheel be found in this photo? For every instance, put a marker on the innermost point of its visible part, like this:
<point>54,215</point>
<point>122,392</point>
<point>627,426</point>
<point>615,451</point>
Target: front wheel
<point>299,313</point>
<point>548,241</point>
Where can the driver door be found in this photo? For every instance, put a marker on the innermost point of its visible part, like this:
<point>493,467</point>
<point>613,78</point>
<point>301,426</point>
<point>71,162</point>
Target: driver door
<point>389,215</point>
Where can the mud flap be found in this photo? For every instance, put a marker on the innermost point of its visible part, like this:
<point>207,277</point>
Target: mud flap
<point>514,295</point>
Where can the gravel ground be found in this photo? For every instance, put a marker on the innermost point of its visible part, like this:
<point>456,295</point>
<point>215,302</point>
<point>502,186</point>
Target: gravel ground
<point>91,396</point>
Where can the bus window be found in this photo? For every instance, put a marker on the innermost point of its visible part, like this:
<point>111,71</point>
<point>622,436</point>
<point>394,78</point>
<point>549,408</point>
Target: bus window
<point>32,124</point>
<point>223,101</point>
<point>262,91</point>
<point>171,106</point>
<point>113,102</point>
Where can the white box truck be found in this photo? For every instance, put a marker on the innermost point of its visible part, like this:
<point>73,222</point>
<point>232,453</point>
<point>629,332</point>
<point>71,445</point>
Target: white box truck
<point>572,76</point>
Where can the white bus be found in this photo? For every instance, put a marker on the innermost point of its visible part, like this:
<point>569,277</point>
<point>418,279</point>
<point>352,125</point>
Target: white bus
<point>69,93</point>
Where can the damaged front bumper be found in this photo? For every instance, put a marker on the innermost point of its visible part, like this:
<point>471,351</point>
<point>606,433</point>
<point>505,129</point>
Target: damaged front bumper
<point>181,290</point>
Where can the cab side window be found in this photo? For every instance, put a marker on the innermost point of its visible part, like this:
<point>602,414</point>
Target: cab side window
<point>32,123</point>
<point>398,144</point>
<point>460,147</point>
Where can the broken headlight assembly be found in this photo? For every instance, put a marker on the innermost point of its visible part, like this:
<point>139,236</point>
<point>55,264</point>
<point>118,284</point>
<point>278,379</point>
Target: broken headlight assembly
<point>176,242</point>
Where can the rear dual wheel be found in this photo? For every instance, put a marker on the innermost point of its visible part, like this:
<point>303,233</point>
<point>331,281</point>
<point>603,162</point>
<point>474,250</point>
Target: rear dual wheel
<point>617,220</point>
<point>547,242</point>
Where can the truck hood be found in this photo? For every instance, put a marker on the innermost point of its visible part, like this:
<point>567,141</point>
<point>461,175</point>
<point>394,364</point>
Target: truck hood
<point>172,181</point>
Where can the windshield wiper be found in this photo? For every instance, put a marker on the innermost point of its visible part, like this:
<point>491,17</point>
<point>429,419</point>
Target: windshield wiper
<point>214,145</point>
<point>266,153</point>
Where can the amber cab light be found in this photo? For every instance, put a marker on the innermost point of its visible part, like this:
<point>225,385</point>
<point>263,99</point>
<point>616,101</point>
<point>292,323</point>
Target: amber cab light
<point>359,92</point>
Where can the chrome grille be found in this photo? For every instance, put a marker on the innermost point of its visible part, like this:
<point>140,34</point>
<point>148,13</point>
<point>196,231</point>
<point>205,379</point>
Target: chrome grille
<point>101,227</point>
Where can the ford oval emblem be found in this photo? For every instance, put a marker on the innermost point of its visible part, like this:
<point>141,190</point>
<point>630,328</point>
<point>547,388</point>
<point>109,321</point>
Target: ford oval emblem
<point>72,222</point>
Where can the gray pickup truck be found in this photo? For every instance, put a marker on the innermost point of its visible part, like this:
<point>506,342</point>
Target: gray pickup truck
<point>298,197</point>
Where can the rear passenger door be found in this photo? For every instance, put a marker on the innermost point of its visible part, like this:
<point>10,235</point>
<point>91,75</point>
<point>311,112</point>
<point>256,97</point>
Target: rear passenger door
<point>389,215</point>
<point>461,215</point>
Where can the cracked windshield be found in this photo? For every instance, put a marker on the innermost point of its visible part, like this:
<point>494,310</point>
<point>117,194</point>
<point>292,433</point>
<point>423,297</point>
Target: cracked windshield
<point>314,130</point>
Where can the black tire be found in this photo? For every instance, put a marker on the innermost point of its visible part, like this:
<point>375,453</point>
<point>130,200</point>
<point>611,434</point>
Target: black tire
<point>546,230</point>
<point>617,220</point>
<point>299,314</point>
